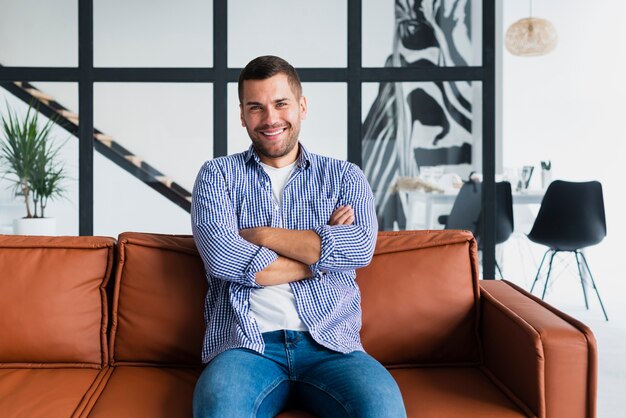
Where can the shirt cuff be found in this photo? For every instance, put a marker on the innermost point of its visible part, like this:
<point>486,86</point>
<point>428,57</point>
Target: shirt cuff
<point>263,258</point>
<point>320,269</point>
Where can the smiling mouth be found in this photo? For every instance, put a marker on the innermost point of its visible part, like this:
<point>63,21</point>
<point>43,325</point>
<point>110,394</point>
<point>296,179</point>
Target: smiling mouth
<point>272,133</point>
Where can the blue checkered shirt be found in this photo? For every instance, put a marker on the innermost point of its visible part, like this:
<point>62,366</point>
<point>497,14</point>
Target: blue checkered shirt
<point>233,193</point>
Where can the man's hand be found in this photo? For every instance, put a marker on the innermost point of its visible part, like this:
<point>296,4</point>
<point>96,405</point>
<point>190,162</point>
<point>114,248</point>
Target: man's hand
<point>301,245</point>
<point>254,235</point>
<point>343,215</point>
<point>297,248</point>
<point>283,270</point>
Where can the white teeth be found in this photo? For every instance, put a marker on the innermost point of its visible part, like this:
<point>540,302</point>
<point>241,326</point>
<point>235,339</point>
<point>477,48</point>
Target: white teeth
<point>273,133</point>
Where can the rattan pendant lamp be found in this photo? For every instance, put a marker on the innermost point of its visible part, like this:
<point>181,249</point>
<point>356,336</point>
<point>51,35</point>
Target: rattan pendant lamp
<point>531,36</point>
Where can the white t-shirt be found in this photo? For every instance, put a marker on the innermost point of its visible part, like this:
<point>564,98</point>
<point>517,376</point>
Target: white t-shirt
<point>274,307</point>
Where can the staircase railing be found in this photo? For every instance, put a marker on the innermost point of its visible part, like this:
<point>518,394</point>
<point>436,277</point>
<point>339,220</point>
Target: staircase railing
<point>104,144</point>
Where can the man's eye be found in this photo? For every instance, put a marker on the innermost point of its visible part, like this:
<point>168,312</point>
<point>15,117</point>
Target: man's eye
<point>281,104</point>
<point>255,108</point>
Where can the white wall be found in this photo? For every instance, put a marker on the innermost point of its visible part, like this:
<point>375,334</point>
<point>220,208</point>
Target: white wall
<point>566,107</point>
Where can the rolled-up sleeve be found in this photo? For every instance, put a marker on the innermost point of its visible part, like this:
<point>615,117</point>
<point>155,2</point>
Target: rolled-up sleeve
<point>226,255</point>
<point>348,247</point>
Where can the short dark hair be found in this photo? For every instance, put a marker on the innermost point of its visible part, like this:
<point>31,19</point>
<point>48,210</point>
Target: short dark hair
<point>267,66</point>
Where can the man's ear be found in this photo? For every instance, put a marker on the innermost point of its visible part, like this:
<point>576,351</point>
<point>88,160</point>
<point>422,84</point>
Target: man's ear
<point>302,108</point>
<point>243,122</point>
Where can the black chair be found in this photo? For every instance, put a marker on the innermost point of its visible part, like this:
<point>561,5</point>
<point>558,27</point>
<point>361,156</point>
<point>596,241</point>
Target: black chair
<point>571,218</point>
<point>466,212</point>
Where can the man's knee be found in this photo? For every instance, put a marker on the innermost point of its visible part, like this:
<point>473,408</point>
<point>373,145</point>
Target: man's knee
<point>380,398</point>
<point>359,383</point>
<point>235,384</point>
<point>236,403</point>
<point>384,401</point>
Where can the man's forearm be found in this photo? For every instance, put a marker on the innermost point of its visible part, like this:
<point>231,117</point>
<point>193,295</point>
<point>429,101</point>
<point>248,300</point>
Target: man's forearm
<point>283,270</point>
<point>300,245</point>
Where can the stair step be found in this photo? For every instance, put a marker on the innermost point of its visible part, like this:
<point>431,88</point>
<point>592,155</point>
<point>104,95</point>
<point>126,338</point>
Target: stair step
<point>135,160</point>
<point>165,180</point>
<point>68,115</point>
<point>105,139</point>
<point>39,94</point>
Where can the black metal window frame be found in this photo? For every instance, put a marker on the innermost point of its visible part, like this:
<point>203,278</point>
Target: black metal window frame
<point>354,75</point>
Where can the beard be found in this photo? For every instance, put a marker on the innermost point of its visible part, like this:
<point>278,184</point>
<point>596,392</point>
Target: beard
<point>268,148</point>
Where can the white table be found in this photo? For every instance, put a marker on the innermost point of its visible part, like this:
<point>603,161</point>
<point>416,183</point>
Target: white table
<point>422,209</point>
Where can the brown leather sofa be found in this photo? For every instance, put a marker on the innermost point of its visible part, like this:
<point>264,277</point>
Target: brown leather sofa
<point>93,327</point>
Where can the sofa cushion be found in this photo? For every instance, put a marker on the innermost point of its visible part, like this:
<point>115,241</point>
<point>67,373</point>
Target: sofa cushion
<point>147,392</point>
<point>53,305</point>
<point>451,392</point>
<point>158,304</point>
<point>44,392</point>
<point>419,299</point>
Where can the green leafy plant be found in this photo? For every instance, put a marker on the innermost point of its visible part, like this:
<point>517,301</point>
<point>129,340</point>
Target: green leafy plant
<point>29,159</point>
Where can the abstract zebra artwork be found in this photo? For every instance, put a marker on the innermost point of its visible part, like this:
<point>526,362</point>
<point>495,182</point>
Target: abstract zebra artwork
<point>421,124</point>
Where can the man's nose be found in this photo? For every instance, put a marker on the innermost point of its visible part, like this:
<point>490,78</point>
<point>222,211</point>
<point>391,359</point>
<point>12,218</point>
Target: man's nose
<point>271,116</point>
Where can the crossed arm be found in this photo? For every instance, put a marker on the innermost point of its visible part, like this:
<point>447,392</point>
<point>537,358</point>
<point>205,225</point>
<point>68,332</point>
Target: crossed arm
<point>296,249</point>
<point>266,256</point>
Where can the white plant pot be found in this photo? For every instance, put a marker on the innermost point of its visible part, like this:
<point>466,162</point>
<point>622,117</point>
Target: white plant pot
<point>35,226</point>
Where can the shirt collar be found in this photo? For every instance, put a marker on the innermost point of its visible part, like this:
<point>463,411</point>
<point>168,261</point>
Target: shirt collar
<point>303,162</point>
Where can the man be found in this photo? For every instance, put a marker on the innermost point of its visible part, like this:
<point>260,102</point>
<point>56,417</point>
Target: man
<point>281,232</point>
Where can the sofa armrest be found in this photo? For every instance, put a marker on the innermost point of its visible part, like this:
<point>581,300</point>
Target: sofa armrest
<point>537,354</point>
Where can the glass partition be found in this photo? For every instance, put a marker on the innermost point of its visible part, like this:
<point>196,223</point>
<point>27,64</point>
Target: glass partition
<point>169,125</point>
<point>422,33</point>
<point>39,33</point>
<point>305,33</point>
<point>57,101</point>
<point>424,136</point>
<point>163,133</point>
<point>146,33</point>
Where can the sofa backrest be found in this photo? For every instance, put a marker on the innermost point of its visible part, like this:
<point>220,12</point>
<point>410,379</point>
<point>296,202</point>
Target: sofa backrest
<point>53,306</point>
<point>158,301</point>
<point>419,299</point>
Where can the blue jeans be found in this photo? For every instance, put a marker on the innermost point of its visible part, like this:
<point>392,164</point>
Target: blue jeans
<point>242,383</point>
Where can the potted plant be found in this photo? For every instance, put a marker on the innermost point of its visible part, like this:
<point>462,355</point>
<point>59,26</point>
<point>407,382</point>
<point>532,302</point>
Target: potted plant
<point>29,158</point>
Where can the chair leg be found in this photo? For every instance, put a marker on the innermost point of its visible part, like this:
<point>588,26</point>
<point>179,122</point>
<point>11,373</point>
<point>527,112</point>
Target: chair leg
<point>593,282</point>
<point>545,287</point>
<point>539,271</point>
<point>499,270</point>
<point>582,279</point>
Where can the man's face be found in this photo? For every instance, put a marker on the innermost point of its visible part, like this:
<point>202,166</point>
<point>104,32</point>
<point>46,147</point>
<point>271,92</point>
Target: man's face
<point>271,113</point>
